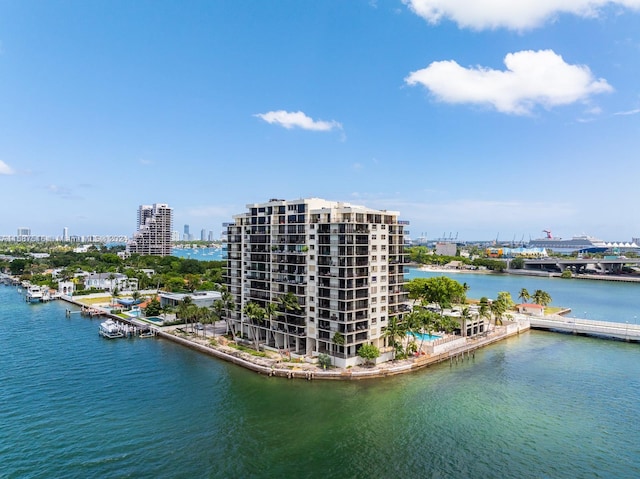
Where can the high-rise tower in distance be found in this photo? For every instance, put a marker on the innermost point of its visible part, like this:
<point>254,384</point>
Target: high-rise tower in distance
<point>154,231</point>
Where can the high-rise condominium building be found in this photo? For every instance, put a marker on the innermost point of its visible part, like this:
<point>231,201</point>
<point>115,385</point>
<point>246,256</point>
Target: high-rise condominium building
<point>335,271</point>
<point>186,235</point>
<point>154,231</point>
<point>65,234</point>
<point>22,231</point>
<point>145,213</point>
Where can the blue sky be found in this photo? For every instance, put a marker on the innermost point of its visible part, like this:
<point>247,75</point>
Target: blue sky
<point>480,118</point>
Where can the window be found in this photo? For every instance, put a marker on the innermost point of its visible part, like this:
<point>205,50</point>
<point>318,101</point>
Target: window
<point>384,237</point>
<point>373,237</point>
<point>374,279</point>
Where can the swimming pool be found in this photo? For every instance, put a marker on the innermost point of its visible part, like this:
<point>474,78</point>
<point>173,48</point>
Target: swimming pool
<point>155,320</point>
<point>424,337</point>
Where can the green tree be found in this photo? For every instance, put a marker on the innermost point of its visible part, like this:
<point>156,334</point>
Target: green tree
<point>337,340</point>
<point>324,360</point>
<point>395,333</point>
<point>153,308</point>
<point>271,310</point>
<point>516,263</point>
<point>205,317</point>
<point>182,310</point>
<point>217,312</point>
<point>524,295</point>
<point>229,306</point>
<point>256,315</point>
<point>369,352</point>
<point>541,297</point>
<point>439,290</point>
<point>501,305</point>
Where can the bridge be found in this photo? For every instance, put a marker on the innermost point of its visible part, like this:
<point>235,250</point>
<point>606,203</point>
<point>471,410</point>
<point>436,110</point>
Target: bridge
<point>600,265</point>
<point>623,331</point>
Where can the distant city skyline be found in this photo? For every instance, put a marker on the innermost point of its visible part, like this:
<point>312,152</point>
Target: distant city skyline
<point>472,118</point>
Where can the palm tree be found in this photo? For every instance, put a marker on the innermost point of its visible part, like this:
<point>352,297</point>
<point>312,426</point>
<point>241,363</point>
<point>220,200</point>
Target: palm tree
<point>395,329</point>
<point>228,305</point>
<point>182,310</point>
<point>217,313</point>
<point>204,317</point>
<point>337,340</point>
<point>524,295</point>
<point>290,303</point>
<point>498,308</point>
<point>256,315</point>
<point>271,311</point>
<point>465,316</point>
<point>485,311</point>
<point>167,308</point>
<point>541,297</point>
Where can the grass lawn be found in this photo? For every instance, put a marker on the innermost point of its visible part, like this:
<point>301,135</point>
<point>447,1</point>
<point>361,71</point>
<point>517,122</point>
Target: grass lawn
<point>92,301</point>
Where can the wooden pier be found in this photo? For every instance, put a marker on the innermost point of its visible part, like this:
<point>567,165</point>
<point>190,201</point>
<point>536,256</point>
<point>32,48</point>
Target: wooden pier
<point>623,331</point>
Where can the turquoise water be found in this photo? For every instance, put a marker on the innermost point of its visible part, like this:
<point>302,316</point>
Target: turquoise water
<point>424,337</point>
<point>588,299</point>
<point>154,319</point>
<point>74,405</point>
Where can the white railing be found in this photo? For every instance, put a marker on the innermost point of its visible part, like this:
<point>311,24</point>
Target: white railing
<point>583,326</point>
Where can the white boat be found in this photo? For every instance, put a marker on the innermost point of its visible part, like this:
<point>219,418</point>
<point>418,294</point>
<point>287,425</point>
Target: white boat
<point>35,294</point>
<point>109,329</point>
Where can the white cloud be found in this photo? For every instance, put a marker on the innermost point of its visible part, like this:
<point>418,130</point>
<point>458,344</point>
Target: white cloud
<point>297,119</point>
<point>629,112</point>
<point>511,14</point>
<point>5,169</point>
<point>531,78</point>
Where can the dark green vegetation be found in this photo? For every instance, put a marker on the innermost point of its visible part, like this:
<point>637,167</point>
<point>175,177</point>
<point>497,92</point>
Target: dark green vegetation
<point>168,273</point>
<point>423,255</point>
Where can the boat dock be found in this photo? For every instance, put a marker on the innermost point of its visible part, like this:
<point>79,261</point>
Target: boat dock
<point>623,331</point>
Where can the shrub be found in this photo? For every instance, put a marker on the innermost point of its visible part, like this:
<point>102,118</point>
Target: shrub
<point>324,360</point>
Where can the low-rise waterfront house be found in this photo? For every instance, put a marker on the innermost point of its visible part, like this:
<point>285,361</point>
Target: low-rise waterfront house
<point>66,287</point>
<point>198,298</point>
<point>111,282</point>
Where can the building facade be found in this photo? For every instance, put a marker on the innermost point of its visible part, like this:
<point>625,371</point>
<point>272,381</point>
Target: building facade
<point>154,231</point>
<point>335,271</point>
